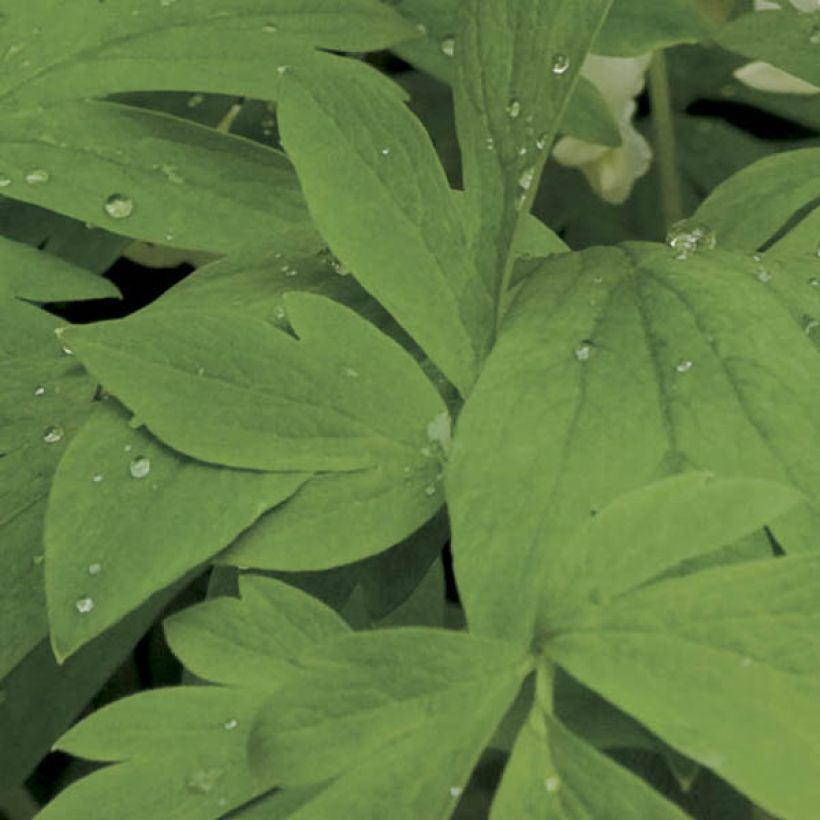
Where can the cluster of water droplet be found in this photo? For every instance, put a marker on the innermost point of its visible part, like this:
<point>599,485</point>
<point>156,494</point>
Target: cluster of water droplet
<point>687,237</point>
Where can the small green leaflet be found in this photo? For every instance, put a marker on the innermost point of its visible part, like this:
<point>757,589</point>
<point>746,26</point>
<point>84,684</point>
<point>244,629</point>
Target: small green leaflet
<point>132,498</point>
<point>227,389</point>
<point>554,775</point>
<point>254,641</point>
<point>427,693</point>
<point>754,204</point>
<point>183,753</point>
<point>153,177</point>
<point>784,39</point>
<point>35,276</point>
<point>588,117</point>
<point>616,367</point>
<point>517,62</point>
<point>380,198</point>
<point>717,664</point>
<point>87,49</point>
<point>44,398</point>
<point>634,27</point>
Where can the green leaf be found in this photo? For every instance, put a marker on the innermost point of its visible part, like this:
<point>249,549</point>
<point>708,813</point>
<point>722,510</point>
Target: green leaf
<point>616,367</point>
<point>184,750</point>
<point>366,691</point>
<point>716,663</point>
<point>517,62</point>
<point>634,28</point>
<point>432,53</point>
<point>588,117</point>
<point>380,198</point>
<point>44,399</point>
<point>154,177</point>
<point>254,641</point>
<point>85,50</point>
<point>784,39</point>
<point>552,773</point>
<point>245,394</point>
<point>40,699</point>
<point>40,277</point>
<point>802,238</point>
<point>751,206</point>
<point>130,497</point>
<point>646,532</point>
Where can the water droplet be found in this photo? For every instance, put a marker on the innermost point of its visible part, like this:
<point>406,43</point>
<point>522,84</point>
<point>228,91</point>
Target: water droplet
<point>560,64</point>
<point>421,29</point>
<point>203,781</point>
<point>37,560</point>
<point>683,366</point>
<point>282,70</point>
<point>385,152</point>
<point>128,448</point>
<point>541,142</point>
<point>171,173</point>
<point>514,109</point>
<point>119,206</point>
<point>279,313</point>
<point>39,391</point>
<point>814,281</point>
<point>231,724</point>
<point>84,605</point>
<point>552,784</point>
<point>526,178</point>
<point>4,181</point>
<point>430,489</point>
<point>448,46</point>
<point>37,176</point>
<point>584,350</point>
<point>456,791</point>
<point>95,568</point>
<point>439,431</point>
<point>195,100</point>
<point>353,374</point>
<point>53,434</point>
<point>97,478</point>
<point>814,37</point>
<point>687,237</point>
<point>270,28</point>
<point>166,3</point>
<point>597,279</point>
<point>763,275</point>
<point>490,143</point>
<point>810,325</point>
<point>140,467</point>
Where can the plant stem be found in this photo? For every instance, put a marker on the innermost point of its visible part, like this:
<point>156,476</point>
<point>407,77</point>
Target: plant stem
<point>664,126</point>
<point>18,804</point>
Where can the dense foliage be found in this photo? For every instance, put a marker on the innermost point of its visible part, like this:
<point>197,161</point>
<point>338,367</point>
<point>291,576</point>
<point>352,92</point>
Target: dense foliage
<point>473,471</point>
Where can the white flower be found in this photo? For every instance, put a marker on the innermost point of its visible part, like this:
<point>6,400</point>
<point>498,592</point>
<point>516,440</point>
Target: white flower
<point>612,172</point>
<point>766,77</point>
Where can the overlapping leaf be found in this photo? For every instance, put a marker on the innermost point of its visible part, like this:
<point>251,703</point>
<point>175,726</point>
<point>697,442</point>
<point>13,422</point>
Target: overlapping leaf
<point>516,65</point>
<point>381,200</point>
<point>227,389</point>
<point>147,516</point>
<point>616,367</point>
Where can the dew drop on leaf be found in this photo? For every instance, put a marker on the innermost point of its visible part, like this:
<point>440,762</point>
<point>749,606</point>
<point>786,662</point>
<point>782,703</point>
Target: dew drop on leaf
<point>270,28</point>
<point>683,366</point>
<point>37,560</point>
<point>552,784</point>
<point>37,176</point>
<point>231,724</point>
<point>4,181</point>
<point>195,100</point>
<point>203,780</point>
<point>39,391</point>
<point>351,373</point>
<point>514,109</point>
<point>430,489</point>
<point>95,568</point>
<point>526,178</point>
<point>119,206</point>
<point>385,152</point>
<point>140,467</point>
<point>584,350</point>
<point>814,281</point>
<point>97,478</point>
<point>456,791</point>
<point>448,46</point>
<point>687,237</point>
<point>53,434</point>
<point>560,64</point>
<point>814,37</point>
<point>84,605</point>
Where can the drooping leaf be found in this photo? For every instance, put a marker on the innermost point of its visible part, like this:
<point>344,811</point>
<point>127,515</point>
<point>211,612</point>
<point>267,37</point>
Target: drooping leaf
<point>44,398</point>
<point>153,177</point>
<point>616,367</point>
<point>183,751</point>
<point>147,516</point>
<point>40,277</point>
<point>517,62</point>
<point>228,389</point>
<point>366,691</point>
<point>716,663</point>
<point>254,641</point>
<point>633,27</point>
<point>552,773</point>
<point>782,38</point>
<point>380,198</point>
<point>81,50</point>
<point>751,206</point>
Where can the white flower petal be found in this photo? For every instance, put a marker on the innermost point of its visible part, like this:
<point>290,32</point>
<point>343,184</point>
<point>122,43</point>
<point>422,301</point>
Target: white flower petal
<point>765,77</point>
<point>574,153</point>
<point>619,79</point>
